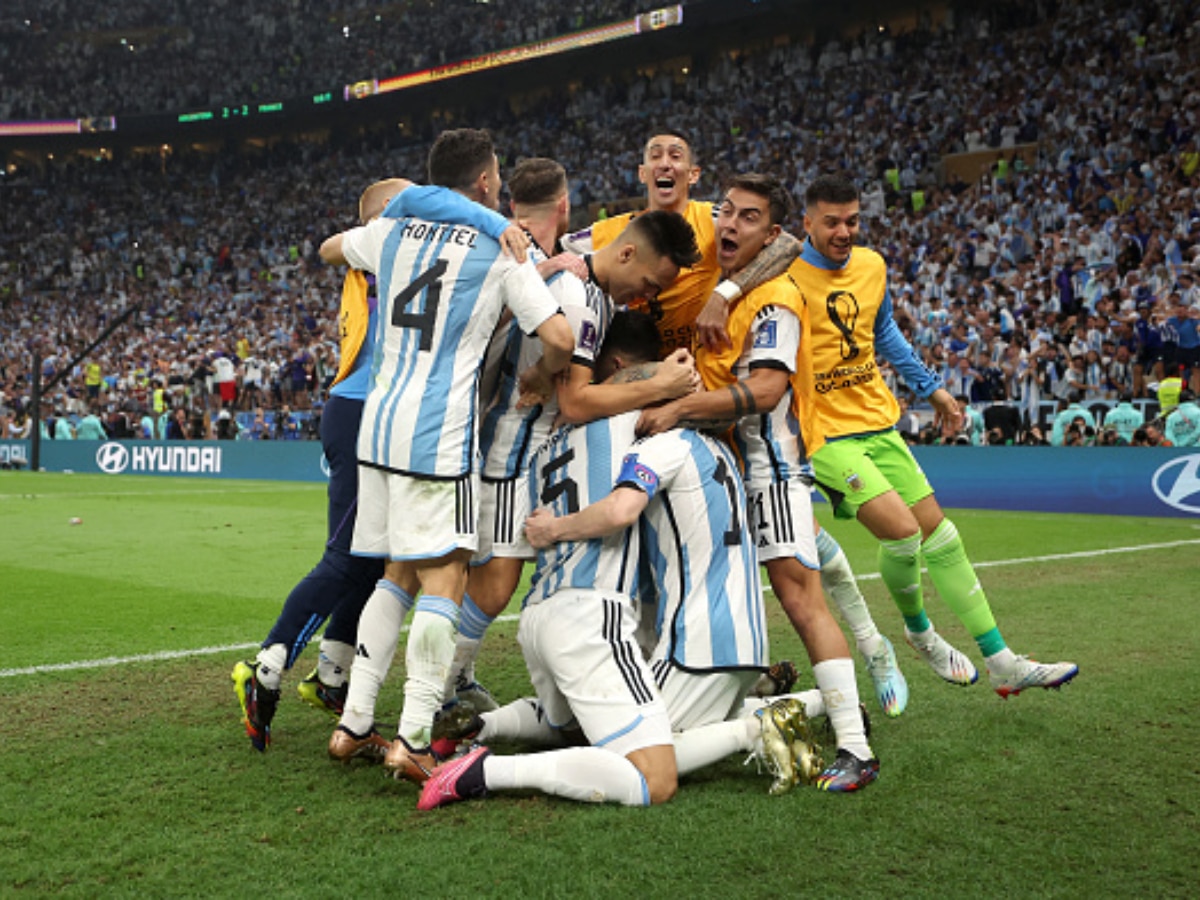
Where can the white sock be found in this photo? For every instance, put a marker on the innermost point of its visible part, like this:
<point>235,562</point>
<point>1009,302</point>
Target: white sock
<point>427,660</point>
<point>587,774</point>
<point>465,651</point>
<point>814,703</point>
<point>838,582</point>
<point>271,661</point>
<point>334,662</point>
<point>522,721</point>
<point>705,745</point>
<point>378,635</point>
<point>835,678</point>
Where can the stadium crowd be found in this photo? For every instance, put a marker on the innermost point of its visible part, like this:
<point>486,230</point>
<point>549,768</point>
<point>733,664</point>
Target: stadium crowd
<point>103,59</point>
<point>1071,273</point>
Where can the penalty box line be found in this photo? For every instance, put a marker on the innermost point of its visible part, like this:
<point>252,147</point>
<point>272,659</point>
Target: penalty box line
<point>111,661</point>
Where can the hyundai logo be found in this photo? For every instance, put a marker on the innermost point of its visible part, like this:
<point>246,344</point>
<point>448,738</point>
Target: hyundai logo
<point>1177,483</point>
<point>112,458</point>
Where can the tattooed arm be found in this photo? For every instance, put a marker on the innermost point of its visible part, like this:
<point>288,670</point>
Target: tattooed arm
<point>761,390</point>
<point>773,260</point>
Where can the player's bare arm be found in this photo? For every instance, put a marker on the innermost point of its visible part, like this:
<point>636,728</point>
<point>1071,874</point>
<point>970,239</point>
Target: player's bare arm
<point>563,262</point>
<point>331,251</point>
<point>537,383</point>
<point>770,262</point>
<point>609,515</point>
<point>761,390</point>
<point>581,401</point>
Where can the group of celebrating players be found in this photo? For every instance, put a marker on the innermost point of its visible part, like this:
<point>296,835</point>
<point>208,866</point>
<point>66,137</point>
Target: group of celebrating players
<point>642,409</point>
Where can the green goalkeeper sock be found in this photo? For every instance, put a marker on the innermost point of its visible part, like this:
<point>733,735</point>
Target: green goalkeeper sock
<point>954,577</point>
<point>900,569</point>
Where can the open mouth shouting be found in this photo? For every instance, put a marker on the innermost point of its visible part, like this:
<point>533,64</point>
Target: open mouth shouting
<point>727,251</point>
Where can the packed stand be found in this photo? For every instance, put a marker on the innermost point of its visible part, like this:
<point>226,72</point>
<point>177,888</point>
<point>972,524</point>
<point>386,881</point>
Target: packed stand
<point>102,59</point>
<point>1032,283</point>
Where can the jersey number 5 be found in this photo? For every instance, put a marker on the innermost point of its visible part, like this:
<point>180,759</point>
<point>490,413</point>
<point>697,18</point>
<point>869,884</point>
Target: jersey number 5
<point>425,320</point>
<point>567,488</point>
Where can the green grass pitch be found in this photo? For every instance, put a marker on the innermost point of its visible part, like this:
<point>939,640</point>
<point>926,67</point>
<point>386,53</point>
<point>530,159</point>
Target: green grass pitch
<point>124,769</point>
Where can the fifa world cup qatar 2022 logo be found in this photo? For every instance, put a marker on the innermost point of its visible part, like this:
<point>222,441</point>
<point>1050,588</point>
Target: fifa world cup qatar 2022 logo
<point>842,309</point>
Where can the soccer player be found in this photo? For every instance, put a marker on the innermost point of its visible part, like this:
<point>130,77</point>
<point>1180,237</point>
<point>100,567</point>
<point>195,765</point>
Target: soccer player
<point>692,311</point>
<point>759,383</point>
<point>646,256</point>
<point>339,585</point>
<point>714,643</point>
<point>668,169</point>
<point>863,465</point>
<point>442,290</point>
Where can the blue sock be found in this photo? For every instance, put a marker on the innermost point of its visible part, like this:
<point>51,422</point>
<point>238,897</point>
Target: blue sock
<point>473,621</point>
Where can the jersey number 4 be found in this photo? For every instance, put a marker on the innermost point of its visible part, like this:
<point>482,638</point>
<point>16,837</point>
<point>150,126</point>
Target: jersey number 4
<point>424,321</point>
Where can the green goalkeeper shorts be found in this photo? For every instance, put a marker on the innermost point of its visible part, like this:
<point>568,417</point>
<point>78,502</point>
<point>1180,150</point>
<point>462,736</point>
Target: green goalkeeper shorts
<point>852,471</point>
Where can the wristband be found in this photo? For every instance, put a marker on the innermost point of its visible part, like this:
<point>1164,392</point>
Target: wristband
<point>728,290</point>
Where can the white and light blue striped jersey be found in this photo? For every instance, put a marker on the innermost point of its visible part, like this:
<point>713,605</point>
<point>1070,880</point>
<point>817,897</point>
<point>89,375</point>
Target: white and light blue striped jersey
<point>507,435</point>
<point>441,289</point>
<point>575,468</point>
<point>710,615</point>
<point>769,444</point>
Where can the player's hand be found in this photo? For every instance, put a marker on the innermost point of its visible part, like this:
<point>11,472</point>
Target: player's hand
<point>539,528</point>
<point>534,386</point>
<point>710,324</point>
<point>945,412</point>
<point>657,419</point>
<point>676,375</point>
<point>563,262</point>
<point>514,242</point>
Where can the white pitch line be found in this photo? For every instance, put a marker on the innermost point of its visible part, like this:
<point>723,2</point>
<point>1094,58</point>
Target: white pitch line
<point>228,648</point>
<point>168,493</point>
<point>109,661</point>
<point>1052,557</point>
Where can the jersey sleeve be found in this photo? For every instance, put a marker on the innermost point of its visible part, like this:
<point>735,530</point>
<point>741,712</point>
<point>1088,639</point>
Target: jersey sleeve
<point>527,296</point>
<point>774,339</point>
<point>890,344</point>
<point>363,246</point>
<point>583,319</point>
<point>578,243</point>
<point>440,204</point>
<point>652,463</point>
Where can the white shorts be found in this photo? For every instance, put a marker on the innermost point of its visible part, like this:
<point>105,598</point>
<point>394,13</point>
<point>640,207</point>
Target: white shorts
<point>503,509</point>
<point>781,520</point>
<point>584,664</point>
<point>701,698</point>
<point>405,517</point>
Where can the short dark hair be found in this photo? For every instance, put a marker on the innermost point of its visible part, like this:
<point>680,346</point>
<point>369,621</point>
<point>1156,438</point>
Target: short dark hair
<point>667,234</point>
<point>675,133</point>
<point>779,202</point>
<point>537,180</point>
<point>634,335</point>
<point>830,189</point>
<point>458,156</point>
